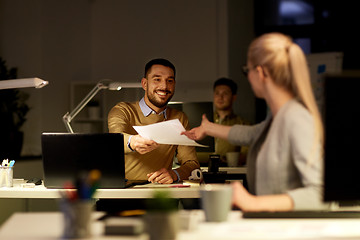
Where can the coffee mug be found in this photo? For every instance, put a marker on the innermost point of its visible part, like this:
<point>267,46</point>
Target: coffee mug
<point>216,201</point>
<point>232,159</point>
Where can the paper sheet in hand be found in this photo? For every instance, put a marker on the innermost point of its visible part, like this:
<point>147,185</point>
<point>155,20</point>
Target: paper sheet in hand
<point>167,132</point>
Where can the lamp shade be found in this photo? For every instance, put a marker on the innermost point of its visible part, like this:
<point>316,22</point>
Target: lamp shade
<point>23,83</point>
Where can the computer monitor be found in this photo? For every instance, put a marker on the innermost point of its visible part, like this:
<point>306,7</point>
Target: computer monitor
<point>342,137</point>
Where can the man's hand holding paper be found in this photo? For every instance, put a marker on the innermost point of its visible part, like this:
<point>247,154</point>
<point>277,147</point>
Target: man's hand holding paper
<point>142,145</point>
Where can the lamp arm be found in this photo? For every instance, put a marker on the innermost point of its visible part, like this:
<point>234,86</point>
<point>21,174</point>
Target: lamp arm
<point>67,123</point>
<point>68,117</point>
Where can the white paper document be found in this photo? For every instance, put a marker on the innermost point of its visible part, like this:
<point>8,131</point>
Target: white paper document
<point>167,132</point>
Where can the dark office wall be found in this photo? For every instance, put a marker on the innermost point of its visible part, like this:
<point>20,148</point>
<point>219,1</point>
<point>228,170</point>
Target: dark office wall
<point>336,30</point>
<point>49,40</point>
<point>63,41</point>
<point>332,29</point>
<point>241,32</point>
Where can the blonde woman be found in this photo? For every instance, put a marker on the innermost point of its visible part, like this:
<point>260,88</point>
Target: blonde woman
<point>285,159</point>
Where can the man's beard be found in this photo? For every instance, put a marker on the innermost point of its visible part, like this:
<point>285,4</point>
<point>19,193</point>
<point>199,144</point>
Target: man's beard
<point>157,103</point>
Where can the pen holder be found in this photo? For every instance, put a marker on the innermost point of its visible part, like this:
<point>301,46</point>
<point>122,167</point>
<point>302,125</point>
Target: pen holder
<point>6,176</point>
<point>77,218</point>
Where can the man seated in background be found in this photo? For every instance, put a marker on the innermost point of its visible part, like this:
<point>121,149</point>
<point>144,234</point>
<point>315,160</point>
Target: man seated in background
<point>225,92</point>
<point>145,159</point>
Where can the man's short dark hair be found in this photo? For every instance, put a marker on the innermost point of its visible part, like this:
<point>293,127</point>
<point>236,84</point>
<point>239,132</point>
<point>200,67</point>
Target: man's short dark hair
<point>159,61</point>
<point>227,82</point>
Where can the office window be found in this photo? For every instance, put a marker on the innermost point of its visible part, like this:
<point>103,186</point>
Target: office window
<point>285,12</point>
<point>295,12</point>
<point>304,43</point>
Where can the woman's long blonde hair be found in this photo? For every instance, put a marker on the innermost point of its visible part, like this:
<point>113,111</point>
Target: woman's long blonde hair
<point>287,66</point>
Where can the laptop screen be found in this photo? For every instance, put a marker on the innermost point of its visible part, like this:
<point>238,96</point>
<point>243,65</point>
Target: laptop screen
<point>65,155</point>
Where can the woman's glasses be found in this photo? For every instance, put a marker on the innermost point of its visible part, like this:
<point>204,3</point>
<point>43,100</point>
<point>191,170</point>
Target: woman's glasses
<point>245,70</point>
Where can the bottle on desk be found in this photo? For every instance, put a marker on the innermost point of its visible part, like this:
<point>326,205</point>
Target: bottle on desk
<point>214,162</point>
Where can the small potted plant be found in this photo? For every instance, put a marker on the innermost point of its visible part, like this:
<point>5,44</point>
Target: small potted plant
<point>161,218</point>
<point>13,111</point>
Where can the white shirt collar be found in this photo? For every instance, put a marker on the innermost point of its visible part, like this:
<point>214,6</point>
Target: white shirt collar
<point>146,110</point>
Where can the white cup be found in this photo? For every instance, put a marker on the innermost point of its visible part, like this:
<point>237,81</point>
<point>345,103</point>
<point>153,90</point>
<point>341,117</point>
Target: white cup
<point>216,201</point>
<point>232,159</point>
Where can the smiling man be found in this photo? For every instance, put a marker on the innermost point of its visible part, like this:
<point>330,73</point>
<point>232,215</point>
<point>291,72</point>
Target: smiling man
<point>145,159</point>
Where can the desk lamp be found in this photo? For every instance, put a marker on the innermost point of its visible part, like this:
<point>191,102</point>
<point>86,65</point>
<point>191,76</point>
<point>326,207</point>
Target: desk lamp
<point>23,83</point>
<point>103,84</point>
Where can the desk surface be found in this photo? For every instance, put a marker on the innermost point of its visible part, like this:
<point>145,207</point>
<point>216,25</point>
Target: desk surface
<point>134,192</point>
<point>46,226</point>
<point>138,192</point>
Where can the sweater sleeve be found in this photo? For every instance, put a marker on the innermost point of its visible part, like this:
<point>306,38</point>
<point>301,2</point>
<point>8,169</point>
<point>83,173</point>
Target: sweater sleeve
<point>244,134</point>
<point>188,161</point>
<point>119,122</point>
<point>308,160</point>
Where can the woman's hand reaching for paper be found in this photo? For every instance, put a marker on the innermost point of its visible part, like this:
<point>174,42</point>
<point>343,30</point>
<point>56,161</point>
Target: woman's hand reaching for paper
<point>208,128</point>
<point>198,133</point>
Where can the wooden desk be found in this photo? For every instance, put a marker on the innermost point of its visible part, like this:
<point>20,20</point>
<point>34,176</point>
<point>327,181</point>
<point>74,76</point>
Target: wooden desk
<point>46,226</point>
<point>134,192</point>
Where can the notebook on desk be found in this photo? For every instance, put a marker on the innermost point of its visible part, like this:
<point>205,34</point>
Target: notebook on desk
<point>64,155</point>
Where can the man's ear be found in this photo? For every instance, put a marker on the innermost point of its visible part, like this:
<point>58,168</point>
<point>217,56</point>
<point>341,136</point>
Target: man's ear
<point>144,83</point>
<point>234,97</point>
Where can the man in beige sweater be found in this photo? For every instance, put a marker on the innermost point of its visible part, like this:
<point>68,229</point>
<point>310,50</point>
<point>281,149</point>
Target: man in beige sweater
<point>145,159</point>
